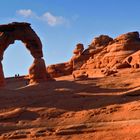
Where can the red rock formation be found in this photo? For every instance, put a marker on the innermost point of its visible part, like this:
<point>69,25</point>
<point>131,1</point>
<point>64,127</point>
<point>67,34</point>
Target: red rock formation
<point>79,49</point>
<point>102,40</point>
<point>2,82</point>
<point>77,53</point>
<point>22,31</point>
<point>66,68</point>
<point>78,75</point>
<point>120,48</point>
<point>37,71</point>
<point>104,54</point>
<point>60,69</point>
<point>112,55</point>
<point>133,60</point>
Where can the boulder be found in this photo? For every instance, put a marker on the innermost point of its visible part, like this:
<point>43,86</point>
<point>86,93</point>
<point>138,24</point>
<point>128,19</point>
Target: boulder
<point>79,49</point>
<point>60,69</point>
<point>79,75</point>
<point>102,40</point>
<point>133,60</point>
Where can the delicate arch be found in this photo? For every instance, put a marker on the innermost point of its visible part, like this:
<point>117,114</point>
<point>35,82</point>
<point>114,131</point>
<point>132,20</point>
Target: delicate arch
<point>23,31</point>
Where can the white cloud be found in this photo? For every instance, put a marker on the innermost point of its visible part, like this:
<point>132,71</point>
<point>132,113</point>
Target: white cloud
<point>25,12</point>
<point>53,20</point>
<point>48,17</point>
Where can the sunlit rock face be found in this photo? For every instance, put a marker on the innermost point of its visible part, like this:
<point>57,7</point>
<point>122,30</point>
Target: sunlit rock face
<point>104,54</point>
<point>116,51</point>
<point>23,31</point>
<point>37,71</point>
<point>114,54</point>
<point>133,60</point>
<point>66,68</point>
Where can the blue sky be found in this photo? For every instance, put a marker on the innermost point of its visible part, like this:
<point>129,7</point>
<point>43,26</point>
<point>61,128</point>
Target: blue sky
<point>61,24</point>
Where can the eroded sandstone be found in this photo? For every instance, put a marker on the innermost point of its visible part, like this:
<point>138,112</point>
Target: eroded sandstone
<point>105,54</point>
<point>23,32</point>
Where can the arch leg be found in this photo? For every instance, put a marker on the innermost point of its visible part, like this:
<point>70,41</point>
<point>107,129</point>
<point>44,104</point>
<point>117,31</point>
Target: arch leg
<point>37,71</point>
<point>2,80</point>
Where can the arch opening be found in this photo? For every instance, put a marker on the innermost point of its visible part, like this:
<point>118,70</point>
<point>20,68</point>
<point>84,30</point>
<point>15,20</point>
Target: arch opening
<point>17,60</point>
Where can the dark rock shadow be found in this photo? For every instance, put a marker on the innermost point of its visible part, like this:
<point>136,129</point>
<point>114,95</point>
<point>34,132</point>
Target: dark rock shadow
<point>73,96</point>
<point>69,95</point>
<point>24,116</point>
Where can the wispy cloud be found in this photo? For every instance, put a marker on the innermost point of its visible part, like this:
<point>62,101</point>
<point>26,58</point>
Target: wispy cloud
<point>52,20</point>
<point>25,12</point>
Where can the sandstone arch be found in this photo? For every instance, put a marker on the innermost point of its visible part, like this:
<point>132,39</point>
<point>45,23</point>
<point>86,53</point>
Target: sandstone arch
<point>23,32</point>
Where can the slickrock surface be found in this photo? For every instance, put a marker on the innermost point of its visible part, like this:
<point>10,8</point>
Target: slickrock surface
<point>105,108</point>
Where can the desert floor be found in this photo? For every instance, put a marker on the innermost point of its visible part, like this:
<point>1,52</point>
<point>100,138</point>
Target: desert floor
<point>105,108</point>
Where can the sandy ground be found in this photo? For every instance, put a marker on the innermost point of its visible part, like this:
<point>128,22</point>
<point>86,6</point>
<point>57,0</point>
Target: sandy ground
<point>106,108</point>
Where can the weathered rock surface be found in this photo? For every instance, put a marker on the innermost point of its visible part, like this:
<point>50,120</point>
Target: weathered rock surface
<point>79,74</point>
<point>102,40</point>
<point>23,31</point>
<point>61,69</point>
<point>114,53</point>
<point>2,82</point>
<point>98,108</point>
<point>133,60</point>
<point>37,71</point>
<point>107,53</point>
<point>66,68</point>
<point>12,114</point>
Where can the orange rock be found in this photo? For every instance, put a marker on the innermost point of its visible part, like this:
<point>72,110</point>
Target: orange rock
<point>66,68</point>
<point>2,81</point>
<point>79,49</point>
<point>22,31</point>
<point>133,60</point>
<point>113,54</point>
<point>79,74</point>
<point>60,69</point>
<point>102,40</point>
<point>103,52</point>
<point>37,71</point>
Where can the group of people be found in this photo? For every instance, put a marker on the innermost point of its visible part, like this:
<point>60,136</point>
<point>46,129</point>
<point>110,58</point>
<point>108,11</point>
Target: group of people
<point>16,75</point>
